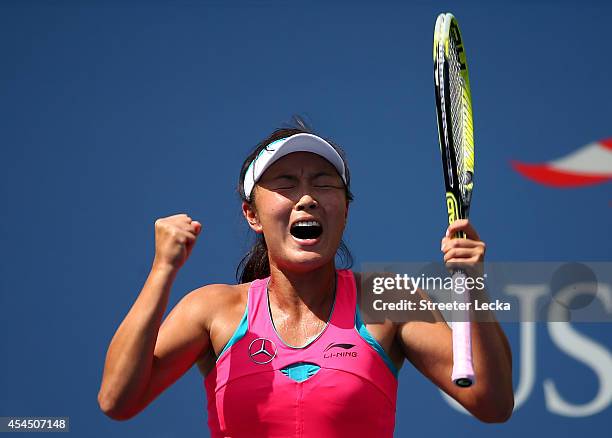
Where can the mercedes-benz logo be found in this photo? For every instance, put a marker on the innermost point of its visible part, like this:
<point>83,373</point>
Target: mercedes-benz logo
<point>262,350</point>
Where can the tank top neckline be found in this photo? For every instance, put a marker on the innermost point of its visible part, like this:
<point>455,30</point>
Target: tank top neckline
<point>313,340</point>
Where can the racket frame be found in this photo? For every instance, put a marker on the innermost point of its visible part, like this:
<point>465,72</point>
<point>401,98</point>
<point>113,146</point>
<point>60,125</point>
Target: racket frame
<point>458,196</point>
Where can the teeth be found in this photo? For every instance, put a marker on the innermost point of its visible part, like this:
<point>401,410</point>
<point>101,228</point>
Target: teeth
<point>307,224</point>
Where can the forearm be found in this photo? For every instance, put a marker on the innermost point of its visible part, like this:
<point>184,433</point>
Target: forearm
<point>129,359</point>
<point>493,366</point>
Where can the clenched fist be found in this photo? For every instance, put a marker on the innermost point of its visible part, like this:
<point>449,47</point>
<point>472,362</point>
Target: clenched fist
<point>175,237</point>
<point>467,253</point>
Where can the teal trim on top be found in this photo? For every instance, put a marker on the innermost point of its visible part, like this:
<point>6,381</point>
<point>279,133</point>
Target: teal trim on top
<point>259,155</point>
<point>365,334</point>
<point>239,332</point>
<point>300,371</point>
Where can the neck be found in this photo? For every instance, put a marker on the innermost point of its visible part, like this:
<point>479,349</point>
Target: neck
<point>299,293</point>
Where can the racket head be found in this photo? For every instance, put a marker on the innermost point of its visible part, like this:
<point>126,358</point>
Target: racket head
<point>454,111</point>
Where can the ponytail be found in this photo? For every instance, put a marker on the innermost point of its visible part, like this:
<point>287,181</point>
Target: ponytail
<point>255,263</point>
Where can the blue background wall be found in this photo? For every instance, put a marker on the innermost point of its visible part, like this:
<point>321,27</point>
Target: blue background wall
<point>116,113</point>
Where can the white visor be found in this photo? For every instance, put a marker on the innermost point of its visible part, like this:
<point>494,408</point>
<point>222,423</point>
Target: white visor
<point>301,142</point>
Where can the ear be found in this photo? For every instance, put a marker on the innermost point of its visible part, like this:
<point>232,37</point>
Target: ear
<point>251,217</point>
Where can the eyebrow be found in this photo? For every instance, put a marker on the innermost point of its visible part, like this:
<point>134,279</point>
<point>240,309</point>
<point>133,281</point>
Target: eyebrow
<point>316,175</point>
<point>288,176</point>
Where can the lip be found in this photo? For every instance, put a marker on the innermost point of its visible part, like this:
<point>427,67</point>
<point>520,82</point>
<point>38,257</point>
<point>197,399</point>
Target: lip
<point>306,242</point>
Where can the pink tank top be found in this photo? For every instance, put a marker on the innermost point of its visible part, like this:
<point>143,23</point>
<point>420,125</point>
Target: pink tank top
<point>353,394</point>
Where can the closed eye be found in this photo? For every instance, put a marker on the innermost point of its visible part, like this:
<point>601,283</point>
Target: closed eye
<point>284,182</point>
<point>287,182</point>
<point>327,182</point>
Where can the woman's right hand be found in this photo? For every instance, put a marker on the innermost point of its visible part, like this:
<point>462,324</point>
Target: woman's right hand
<point>175,237</point>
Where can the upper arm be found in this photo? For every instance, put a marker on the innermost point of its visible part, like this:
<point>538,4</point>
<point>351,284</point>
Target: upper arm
<point>183,337</point>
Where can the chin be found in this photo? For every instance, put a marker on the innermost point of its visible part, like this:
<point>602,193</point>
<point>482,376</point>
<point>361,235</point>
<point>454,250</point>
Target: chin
<point>305,262</point>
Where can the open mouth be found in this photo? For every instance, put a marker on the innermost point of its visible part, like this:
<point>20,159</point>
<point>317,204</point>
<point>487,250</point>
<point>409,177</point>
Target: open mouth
<point>306,230</point>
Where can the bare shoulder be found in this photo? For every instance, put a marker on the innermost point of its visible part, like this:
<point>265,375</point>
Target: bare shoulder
<point>220,308</point>
<point>217,301</point>
<point>216,293</point>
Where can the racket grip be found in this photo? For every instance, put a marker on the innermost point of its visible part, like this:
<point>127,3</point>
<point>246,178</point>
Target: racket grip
<point>463,368</point>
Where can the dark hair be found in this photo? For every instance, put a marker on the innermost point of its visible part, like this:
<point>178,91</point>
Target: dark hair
<point>255,263</point>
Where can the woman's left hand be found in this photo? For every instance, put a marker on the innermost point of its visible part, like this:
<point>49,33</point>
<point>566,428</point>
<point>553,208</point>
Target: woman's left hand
<point>468,252</point>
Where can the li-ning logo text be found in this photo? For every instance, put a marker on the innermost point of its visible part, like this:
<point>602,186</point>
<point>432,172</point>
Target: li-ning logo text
<point>339,353</point>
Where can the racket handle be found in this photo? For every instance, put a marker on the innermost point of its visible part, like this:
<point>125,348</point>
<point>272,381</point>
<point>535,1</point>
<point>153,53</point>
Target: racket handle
<point>463,368</point>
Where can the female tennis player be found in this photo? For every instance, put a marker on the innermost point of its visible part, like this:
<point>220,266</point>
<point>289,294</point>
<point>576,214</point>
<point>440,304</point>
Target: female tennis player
<point>285,352</point>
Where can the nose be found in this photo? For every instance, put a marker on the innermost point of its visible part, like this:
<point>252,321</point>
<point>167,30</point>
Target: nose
<point>306,202</point>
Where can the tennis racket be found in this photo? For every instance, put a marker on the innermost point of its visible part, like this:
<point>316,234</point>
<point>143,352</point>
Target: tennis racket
<point>456,135</point>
